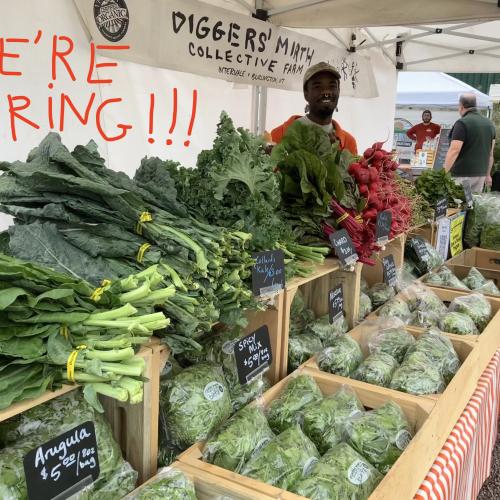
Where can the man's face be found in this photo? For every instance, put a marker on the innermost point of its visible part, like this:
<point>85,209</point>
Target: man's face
<point>322,94</point>
<point>426,117</point>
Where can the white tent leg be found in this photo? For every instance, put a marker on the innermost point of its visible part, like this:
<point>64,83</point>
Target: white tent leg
<point>259,107</point>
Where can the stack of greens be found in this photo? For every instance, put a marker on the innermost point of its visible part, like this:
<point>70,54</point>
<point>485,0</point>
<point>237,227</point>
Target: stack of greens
<point>482,228</point>
<point>52,331</point>
<point>434,185</point>
<point>40,424</point>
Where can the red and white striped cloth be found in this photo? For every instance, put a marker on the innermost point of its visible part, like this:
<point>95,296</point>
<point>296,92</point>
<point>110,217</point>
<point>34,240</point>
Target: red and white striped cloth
<point>464,462</point>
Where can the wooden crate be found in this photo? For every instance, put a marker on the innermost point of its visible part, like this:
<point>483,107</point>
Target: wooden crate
<point>478,257</point>
<point>314,289</point>
<point>135,426</point>
<point>396,248</point>
<point>417,411</point>
<point>426,231</point>
<point>361,334</point>
<point>209,486</point>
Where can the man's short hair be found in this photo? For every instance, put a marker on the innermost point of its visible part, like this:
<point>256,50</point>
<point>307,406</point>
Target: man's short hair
<point>426,111</point>
<point>468,101</point>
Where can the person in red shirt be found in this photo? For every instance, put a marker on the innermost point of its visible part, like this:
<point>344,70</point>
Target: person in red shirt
<point>424,130</point>
<point>321,91</point>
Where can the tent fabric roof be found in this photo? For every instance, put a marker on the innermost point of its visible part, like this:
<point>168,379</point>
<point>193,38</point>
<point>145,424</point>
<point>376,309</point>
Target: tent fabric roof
<point>434,89</point>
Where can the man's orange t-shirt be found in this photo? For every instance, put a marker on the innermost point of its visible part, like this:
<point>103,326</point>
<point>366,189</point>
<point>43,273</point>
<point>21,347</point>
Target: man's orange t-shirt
<point>421,131</point>
<point>346,140</point>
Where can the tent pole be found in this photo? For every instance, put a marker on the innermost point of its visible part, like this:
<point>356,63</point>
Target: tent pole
<point>374,39</point>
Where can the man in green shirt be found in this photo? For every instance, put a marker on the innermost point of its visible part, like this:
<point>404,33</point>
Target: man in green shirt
<point>470,156</point>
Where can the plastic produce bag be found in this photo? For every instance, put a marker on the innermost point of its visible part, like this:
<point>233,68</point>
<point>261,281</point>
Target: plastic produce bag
<point>459,323</point>
<point>380,435</point>
<point>234,442</point>
<point>323,422</point>
<point>392,340</point>
<point>376,369</point>
<point>194,403</point>
<point>327,332</point>
<point>284,461</point>
<point>483,228</point>
<point>301,348</point>
<point>342,358</point>
<point>421,267</point>
<point>476,306</point>
<point>365,306</point>
<point>489,287</point>
<point>364,285</point>
<point>424,300</point>
<point>300,315</point>
<point>417,375</point>
<point>169,483</point>
<point>42,423</point>
<point>282,412</point>
<point>425,319</point>
<point>380,293</point>
<point>445,277</point>
<point>474,279</point>
<point>395,308</point>
<point>341,474</point>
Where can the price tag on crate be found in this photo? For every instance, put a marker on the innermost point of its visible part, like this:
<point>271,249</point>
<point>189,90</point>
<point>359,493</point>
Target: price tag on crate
<point>344,248</point>
<point>384,222</point>
<point>268,272</point>
<point>441,208</point>
<point>468,193</point>
<point>420,249</point>
<point>253,355</point>
<point>336,303</point>
<point>390,271</point>
<point>64,465</point>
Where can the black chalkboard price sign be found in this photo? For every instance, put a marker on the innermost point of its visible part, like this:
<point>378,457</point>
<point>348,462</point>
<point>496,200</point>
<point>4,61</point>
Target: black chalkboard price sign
<point>344,248</point>
<point>384,221</point>
<point>420,249</point>
<point>253,355</point>
<point>390,271</point>
<point>441,208</point>
<point>268,272</point>
<point>442,148</point>
<point>64,465</point>
<point>336,303</point>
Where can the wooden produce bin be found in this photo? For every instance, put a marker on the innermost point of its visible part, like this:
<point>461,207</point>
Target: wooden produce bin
<point>209,487</point>
<point>396,248</point>
<point>314,289</point>
<point>135,426</point>
<point>417,411</point>
<point>477,257</point>
<point>361,334</point>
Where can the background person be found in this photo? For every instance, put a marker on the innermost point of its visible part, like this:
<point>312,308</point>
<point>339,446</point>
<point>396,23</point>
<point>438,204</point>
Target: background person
<point>321,91</point>
<point>470,156</point>
<point>424,130</point>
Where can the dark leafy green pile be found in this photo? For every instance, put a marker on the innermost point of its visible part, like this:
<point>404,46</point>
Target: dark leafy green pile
<point>436,184</point>
<point>380,435</point>
<point>341,473</point>
<point>284,461</point>
<point>42,423</point>
<point>312,171</point>
<point>342,357</point>
<point>169,483</point>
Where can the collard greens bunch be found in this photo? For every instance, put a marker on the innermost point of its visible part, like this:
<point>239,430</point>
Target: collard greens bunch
<point>168,483</point>
<point>342,357</point>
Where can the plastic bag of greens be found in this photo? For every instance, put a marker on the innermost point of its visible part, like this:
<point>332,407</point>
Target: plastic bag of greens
<point>42,423</point>
<point>300,315</point>
<point>439,350</point>
<point>444,277</point>
<point>301,348</point>
<point>342,473</point>
<point>476,306</point>
<point>432,260</point>
<point>490,234</point>
<point>327,332</point>
<point>380,293</point>
<point>342,358</point>
<point>365,306</point>
<point>474,279</point>
<point>284,461</point>
<point>194,403</point>
<point>459,323</point>
<point>416,375</point>
<point>235,441</point>
<point>323,422</point>
<point>424,319</point>
<point>282,413</point>
<point>390,337</point>
<point>489,288</point>
<point>364,285</point>
<point>395,308</point>
<point>168,483</point>
<point>422,298</point>
<point>380,435</point>
<point>376,369</point>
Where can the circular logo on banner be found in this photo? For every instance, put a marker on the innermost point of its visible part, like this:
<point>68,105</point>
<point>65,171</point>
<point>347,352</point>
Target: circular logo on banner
<point>111,18</point>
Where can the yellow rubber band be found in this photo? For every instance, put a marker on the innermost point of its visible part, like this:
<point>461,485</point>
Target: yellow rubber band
<point>65,331</point>
<point>97,293</point>
<point>342,218</point>
<point>70,364</point>
<point>142,250</point>
<point>144,217</point>
<point>359,219</point>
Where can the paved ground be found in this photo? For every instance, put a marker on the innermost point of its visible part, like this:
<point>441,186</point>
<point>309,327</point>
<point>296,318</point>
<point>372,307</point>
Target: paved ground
<point>491,488</point>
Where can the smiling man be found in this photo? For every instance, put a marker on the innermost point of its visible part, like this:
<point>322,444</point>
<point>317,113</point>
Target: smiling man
<point>321,91</point>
